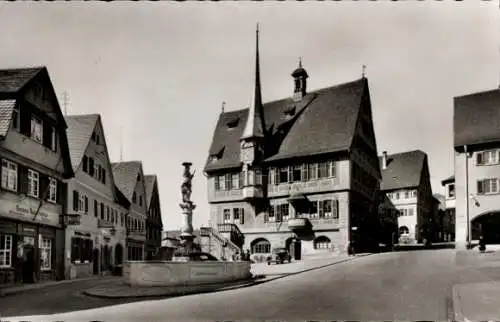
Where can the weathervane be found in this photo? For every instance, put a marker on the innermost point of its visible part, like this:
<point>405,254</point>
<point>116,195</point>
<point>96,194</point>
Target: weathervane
<point>363,71</point>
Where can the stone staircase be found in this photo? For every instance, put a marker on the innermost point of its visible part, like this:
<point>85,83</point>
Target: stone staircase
<point>217,245</point>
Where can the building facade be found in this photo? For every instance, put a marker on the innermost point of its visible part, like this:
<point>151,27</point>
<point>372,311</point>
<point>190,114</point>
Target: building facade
<point>477,167</point>
<point>449,204</point>
<point>279,174</point>
<point>406,182</point>
<point>129,178</point>
<point>154,225</point>
<point>95,241</point>
<point>35,162</point>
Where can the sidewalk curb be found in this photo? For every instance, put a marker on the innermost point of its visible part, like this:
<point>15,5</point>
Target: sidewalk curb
<point>30,287</point>
<point>457,306</point>
<point>211,288</point>
<point>183,290</point>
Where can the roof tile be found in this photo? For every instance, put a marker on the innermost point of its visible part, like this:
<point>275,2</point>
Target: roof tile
<point>13,79</point>
<point>125,175</point>
<point>403,170</point>
<point>79,132</point>
<point>477,118</point>
<point>6,108</point>
<point>324,121</point>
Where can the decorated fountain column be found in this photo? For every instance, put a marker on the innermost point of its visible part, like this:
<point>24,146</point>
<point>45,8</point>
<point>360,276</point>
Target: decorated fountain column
<point>187,207</point>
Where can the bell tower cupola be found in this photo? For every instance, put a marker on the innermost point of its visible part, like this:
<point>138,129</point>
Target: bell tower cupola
<point>300,82</point>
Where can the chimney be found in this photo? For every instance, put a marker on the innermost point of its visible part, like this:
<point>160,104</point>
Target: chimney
<point>384,160</point>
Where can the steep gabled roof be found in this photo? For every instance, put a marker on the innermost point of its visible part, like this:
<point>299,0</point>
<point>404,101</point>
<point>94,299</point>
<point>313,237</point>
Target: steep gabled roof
<point>403,170</point>
<point>125,175</point>
<point>79,132</point>
<point>323,121</point>
<point>13,80</point>
<point>477,118</point>
<point>149,183</point>
<point>6,108</point>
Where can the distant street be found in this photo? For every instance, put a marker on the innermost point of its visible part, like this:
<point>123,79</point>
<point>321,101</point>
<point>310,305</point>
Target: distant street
<point>392,286</point>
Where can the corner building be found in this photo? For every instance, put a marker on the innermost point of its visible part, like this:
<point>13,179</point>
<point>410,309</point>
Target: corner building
<point>35,162</point>
<point>301,172</point>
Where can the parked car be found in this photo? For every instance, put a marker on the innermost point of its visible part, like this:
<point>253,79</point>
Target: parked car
<point>279,255</point>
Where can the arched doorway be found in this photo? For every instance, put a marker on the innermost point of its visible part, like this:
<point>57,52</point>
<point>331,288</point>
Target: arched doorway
<point>294,247</point>
<point>260,248</point>
<point>488,226</point>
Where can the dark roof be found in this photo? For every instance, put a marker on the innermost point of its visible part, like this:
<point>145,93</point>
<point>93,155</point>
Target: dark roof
<point>79,132</point>
<point>403,170</point>
<point>322,122</point>
<point>448,180</point>
<point>125,175</point>
<point>149,183</point>
<point>477,118</point>
<point>6,108</point>
<point>12,80</point>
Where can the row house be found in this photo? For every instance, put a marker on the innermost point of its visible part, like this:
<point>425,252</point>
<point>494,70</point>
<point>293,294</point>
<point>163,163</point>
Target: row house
<point>449,204</point>
<point>406,182</point>
<point>129,178</point>
<point>301,172</point>
<point>35,162</point>
<point>154,225</point>
<point>95,239</point>
<point>477,167</point>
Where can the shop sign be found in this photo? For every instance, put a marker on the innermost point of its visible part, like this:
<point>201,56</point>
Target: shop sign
<point>12,206</point>
<point>72,219</point>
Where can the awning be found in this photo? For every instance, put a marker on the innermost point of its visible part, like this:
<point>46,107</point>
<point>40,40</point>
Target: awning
<point>297,197</point>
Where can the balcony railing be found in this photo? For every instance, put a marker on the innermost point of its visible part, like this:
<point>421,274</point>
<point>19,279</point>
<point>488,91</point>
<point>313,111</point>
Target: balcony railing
<point>105,224</point>
<point>252,192</point>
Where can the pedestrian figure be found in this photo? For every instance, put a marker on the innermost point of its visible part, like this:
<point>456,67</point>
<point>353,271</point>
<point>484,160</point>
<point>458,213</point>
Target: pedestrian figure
<point>248,255</point>
<point>482,244</point>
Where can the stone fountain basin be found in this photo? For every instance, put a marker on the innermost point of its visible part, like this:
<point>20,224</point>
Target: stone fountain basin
<point>168,273</point>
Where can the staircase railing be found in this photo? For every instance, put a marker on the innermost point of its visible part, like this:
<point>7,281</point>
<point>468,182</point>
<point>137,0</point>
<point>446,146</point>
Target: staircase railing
<point>214,235</point>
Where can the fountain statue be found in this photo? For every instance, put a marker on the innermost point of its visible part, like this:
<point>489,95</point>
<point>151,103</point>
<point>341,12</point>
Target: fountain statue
<point>187,207</point>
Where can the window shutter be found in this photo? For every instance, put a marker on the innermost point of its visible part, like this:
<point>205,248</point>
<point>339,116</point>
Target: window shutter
<point>43,186</point>
<point>61,188</point>
<point>242,216</point>
<point>276,176</point>
<point>25,116</point>
<point>96,208</point>
<point>335,208</point>
<point>103,176</point>
<point>91,167</point>
<point>480,187</point>
<point>47,134</point>
<point>86,204</point>
<point>75,200</point>
<point>23,179</point>
<point>266,214</point>
<point>479,158</point>
<point>304,172</point>
<point>217,184</point>
<point>85,164</point>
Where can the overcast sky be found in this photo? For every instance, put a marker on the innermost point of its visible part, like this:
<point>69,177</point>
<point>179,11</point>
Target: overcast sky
<point>160,70</point>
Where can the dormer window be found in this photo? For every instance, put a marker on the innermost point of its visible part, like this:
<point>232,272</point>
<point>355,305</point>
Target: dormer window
<point>217,156</point>
<point>95,137</point>
<point>36,129</point>
<point>233,123</point>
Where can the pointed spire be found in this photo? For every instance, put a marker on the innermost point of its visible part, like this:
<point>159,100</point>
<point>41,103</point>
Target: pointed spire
<point>255,122</point>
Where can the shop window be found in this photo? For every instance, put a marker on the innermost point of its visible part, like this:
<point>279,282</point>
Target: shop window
<point>5,250</point>
<point>9,175</point>
<point>261,246</point>
<point>46,254</point>
<point>81,250</point>
<point>322,242</point>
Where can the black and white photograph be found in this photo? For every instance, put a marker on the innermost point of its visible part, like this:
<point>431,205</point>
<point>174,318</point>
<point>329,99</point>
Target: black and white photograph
<point>250,160</point>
